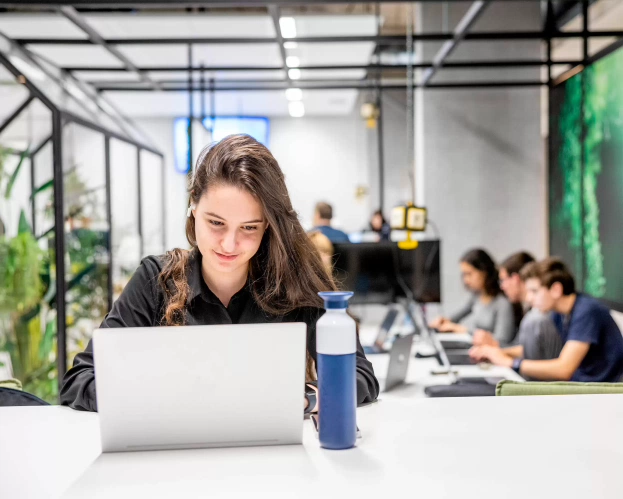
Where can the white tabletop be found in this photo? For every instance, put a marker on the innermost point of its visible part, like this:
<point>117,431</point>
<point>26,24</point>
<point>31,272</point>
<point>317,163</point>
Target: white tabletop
<point>511,447</point>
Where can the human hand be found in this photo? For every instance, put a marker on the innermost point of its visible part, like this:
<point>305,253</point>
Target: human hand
<point>436,324</point>
<point>482,337</point>
<point>492,354</point>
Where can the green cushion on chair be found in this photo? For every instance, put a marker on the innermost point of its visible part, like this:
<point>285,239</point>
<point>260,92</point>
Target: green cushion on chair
<point>507,388</point>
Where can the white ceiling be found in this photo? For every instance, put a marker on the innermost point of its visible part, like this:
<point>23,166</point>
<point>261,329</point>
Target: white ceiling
<point>249,103</point>
<point>195,25</point>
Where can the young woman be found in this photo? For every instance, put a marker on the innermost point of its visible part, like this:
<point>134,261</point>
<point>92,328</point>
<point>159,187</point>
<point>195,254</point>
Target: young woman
<point>488,313</point>
<point>250,262</point>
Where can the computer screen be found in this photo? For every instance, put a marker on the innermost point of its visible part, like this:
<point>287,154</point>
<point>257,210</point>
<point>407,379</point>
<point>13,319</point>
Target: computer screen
<point>379,272</point>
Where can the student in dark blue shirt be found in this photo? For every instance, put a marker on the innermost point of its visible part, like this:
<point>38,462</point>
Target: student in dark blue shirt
<point>592,342</point>
<point>322,223</point>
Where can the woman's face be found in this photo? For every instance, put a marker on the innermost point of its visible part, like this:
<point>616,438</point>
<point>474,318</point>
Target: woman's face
<point>377,222</point>
<point>473,278</point>
<point>229,226</point>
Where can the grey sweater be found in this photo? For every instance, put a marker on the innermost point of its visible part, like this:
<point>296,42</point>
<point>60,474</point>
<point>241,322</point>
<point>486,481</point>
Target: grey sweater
<point>497,317</point>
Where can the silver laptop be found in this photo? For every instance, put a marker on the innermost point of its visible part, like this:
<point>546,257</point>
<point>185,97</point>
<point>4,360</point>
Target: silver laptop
<point>200,386</point>
<point>398,366</point>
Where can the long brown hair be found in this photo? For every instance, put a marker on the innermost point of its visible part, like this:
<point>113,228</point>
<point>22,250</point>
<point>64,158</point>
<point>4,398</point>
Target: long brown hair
<point>286,273</point>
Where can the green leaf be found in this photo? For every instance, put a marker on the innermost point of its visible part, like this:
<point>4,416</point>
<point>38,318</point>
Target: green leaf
<point>23,226</point>
<point>43,188</point>
<point>13,177</point>
<point>47,342</point>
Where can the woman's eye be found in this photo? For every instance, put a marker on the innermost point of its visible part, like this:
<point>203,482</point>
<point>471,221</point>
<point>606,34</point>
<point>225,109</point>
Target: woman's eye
<point>216,223</point>
<point>250,227</point>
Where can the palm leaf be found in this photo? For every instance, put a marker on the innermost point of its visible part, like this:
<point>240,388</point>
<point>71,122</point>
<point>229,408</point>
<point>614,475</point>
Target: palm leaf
<point>48,185</point>
<point>13,177</point>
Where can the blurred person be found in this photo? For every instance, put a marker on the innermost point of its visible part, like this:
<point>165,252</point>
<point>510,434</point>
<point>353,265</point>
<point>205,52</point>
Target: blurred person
<point>325,249</point>
<point>379,225</point>
<point>323,214</point>
<point>592,343</point>
<point>488,309</point>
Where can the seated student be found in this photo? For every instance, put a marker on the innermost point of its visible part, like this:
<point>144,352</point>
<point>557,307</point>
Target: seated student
<point>325,249</point>
<point>488,309</point>
<point>322,223</point>
<point>250,262</point>
<point>379,225</point>
<point>537,338</point>
<point>592,343</point>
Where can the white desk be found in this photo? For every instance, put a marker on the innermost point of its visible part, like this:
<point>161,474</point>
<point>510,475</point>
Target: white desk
<point>420,373</point>
<point>515,447</point>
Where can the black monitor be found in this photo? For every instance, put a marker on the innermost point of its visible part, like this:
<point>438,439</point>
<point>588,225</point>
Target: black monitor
<point>380,272</point>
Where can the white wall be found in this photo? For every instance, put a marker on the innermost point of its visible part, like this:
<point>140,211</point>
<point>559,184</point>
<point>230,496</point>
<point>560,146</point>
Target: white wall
<point>324,159</point>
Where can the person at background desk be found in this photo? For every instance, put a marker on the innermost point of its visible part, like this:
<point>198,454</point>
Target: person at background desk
<point>379,225</point>
<point>250,262</point>
<point>488,310</point>
<point>592,342</point>
<point>537,338</point>
<point>323,214</point>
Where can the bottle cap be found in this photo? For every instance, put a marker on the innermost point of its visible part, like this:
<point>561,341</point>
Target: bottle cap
<point>336,299</point>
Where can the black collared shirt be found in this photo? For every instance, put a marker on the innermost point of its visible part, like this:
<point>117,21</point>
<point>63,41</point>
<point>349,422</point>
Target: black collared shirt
<point>142,304</point>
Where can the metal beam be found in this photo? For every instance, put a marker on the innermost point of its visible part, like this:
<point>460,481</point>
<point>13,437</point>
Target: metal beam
<point>16,113</point>
<point>367,67</point>
<point>118,4</point>
<point>94,37</point>
<point>460,32</point>
<point>338,85</point>
<point>385,40</point>
<point>273,10</point>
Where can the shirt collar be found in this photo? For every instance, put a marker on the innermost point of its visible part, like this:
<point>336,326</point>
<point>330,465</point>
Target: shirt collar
<point>197,284</point>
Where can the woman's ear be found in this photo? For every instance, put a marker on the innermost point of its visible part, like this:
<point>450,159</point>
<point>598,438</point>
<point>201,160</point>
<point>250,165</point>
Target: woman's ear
<point>190,210</point>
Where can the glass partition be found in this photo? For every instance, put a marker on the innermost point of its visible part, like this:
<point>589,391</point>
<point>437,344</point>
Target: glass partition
<point>87,234</point>
<point>152,203</point>
<point>126,240</point>
<point>53,135</point>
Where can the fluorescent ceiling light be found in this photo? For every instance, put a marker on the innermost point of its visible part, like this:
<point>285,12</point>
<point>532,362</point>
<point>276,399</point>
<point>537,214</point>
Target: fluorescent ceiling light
<point>290,45</point>
<point>294,74</point>
<point>297,109</point>
<point>292,61</point>
<point>288,27</point>
<point>27,69</point>
<point>294,94</point>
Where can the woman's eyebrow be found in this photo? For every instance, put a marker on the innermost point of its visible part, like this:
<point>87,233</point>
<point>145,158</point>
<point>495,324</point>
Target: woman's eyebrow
<point>221,218</point>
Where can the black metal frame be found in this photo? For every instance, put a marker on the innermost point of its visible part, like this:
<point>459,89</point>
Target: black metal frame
<point>60,118</point>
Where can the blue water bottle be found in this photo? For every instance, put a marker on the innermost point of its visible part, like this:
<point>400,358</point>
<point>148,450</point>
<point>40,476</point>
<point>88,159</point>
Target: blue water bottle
<point>336,346</point>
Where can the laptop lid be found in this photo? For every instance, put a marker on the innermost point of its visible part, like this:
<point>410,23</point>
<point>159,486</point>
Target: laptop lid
<point>399,357</point>
<point>200,386</point>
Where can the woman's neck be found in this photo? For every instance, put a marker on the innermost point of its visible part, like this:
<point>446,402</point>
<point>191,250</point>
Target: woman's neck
<point>225,284</point>
<point>485,298</point>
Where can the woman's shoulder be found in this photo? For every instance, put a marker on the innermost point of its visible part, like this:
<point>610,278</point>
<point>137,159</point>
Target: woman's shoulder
<point>501,301</point>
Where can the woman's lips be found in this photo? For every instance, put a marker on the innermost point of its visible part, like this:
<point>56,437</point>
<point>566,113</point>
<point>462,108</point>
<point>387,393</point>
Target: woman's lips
<point>225,258</point>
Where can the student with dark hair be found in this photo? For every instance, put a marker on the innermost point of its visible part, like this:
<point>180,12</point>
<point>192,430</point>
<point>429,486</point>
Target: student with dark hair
<point>379,225</point>
<point>488,309</point>
<point>592,342</point>
<point>537,338</point>
<point>250,262</point>
<point>323,215</point>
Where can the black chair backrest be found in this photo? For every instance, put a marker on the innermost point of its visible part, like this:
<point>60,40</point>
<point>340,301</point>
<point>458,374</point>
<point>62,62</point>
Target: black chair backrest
<point>10,397</point>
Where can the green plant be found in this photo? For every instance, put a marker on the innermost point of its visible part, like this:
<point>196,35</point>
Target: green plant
<point>27,321</point>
